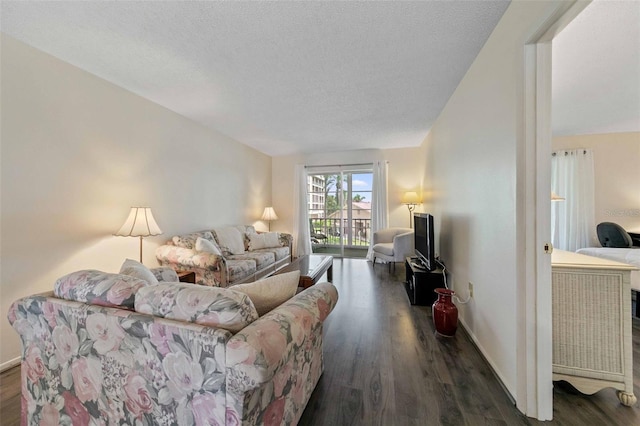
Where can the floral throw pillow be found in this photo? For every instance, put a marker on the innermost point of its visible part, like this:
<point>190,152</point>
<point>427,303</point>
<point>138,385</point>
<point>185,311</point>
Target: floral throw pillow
<point>138,270</point>
<point>99,288</point>
<point>210,306</point>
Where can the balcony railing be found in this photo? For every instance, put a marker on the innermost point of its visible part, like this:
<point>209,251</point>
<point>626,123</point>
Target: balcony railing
<point>354,233</point>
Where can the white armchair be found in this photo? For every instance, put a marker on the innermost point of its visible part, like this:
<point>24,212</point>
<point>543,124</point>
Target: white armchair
<point>393,245</point>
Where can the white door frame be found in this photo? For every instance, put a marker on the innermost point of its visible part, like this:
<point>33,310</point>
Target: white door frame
<point>533,206</point>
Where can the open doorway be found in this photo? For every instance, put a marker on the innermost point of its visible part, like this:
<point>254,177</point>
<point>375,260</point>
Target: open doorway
<point>340,211</point>
<point>535,360</point>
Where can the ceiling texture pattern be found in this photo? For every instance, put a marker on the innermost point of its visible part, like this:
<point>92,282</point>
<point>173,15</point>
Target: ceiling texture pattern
<point>282,77</point>
<point>304,77</point>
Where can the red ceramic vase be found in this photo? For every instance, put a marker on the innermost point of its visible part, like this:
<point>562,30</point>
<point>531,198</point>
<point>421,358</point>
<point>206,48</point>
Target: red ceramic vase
<point>445,313</point>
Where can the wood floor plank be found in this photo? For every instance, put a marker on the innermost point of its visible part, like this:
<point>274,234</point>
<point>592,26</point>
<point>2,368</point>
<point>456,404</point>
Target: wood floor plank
<point>379,391</point>
<point>10,396</point>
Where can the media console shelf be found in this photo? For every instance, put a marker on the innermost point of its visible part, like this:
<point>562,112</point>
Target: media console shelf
<point>420,283</point>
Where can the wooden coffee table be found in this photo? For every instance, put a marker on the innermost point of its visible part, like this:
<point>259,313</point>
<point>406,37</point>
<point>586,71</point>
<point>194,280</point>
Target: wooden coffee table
<point>311,267</point>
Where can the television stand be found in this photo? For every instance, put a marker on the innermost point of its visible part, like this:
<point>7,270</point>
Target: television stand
<point>420,283</point>
<point>417,266</point>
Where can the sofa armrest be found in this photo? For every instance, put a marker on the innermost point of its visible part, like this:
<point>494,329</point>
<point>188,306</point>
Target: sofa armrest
<point>286,240</point>
<point>187,259</point>
<point>256,353</point>
<point>387,235</point>
<point>384,235</point>
<point>165,274</point>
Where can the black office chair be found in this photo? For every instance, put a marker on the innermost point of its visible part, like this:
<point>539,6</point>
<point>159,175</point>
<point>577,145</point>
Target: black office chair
<point>613,235</point>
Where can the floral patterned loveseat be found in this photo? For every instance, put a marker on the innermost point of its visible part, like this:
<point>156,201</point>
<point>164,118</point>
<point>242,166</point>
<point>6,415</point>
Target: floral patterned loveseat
<point>91,355</point>
<point>227,266</point>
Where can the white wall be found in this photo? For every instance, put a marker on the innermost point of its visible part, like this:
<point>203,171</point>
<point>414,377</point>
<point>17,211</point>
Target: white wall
<point>616,158</point>
<point>406,170</point>
<point>77,152</point>
<point>471,157</point>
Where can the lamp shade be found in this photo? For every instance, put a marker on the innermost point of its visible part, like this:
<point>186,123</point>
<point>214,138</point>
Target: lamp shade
<point>140,223</point>
<point>269,214</point>
<point>410,197</point>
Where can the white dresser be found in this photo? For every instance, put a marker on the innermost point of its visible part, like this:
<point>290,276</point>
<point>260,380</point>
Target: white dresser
<point>592,345</point>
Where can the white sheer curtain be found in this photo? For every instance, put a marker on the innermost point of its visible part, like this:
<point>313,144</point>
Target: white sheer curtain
<point>573,220</point>
<point>301,232</point>
<point>379,202</point>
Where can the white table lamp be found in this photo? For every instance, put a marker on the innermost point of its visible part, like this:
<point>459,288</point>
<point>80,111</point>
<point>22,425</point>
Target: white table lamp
<point>269,215</point>
<point>140,223</point>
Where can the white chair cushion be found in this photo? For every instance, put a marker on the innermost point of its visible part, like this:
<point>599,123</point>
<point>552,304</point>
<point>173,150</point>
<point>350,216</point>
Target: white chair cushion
<point>384,248</point>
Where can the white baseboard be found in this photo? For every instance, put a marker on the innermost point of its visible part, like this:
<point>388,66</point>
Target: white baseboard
<point>495,372</point>
<point>9,364</point>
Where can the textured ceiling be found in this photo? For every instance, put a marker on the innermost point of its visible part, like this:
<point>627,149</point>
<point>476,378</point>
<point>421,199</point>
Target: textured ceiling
<point>282,77</point>
<point>287,77</point>
<point>596,71</point>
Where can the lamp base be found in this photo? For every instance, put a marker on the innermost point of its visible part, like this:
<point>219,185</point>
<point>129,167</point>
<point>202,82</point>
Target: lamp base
<point>411,208</point>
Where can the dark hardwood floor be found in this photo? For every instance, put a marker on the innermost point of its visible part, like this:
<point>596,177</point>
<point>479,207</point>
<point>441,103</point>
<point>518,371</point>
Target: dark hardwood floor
<point>384,365</point>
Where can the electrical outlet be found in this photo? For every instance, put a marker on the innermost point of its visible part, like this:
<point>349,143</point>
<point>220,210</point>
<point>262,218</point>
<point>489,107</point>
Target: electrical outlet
<point>470,289</point>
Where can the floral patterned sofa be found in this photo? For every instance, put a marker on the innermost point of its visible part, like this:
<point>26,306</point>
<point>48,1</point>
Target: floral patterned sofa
<point>226,266</point>
<point>110,348</point>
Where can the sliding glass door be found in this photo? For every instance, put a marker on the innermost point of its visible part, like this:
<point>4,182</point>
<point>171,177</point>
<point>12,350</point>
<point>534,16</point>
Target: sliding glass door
<point>340,210</point>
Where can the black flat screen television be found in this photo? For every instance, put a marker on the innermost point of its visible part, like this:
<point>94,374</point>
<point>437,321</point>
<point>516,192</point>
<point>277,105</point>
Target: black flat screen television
<point>424,240</point>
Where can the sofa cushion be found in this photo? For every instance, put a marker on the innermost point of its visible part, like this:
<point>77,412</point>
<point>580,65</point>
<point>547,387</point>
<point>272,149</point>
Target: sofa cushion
<point>207,246</point>
<point>210,306</point>
<point>99,288</point>
<point>189,240</point>
<point>268,293</point>
<point>265,240</point>
<point>262,259</point>
<point>229,239</point>
<point>133,268</point>
<point>279,252</point>
<point>239,269</point>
